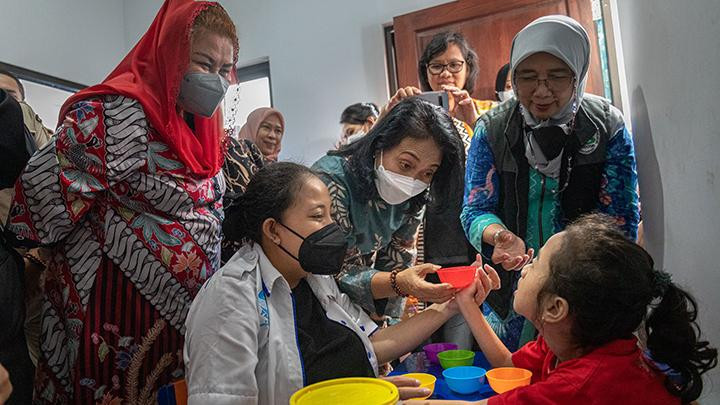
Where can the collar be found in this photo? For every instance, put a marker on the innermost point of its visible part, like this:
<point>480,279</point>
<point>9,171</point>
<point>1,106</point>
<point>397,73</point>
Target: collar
<point>319,285</point>
<point>268,273</point>
<point>616,348</point>
<point>271,277</point>
<point>585,128</point>
<point>619,347</point>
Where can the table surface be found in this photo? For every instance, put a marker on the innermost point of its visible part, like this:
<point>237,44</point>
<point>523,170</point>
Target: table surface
<point>442,391</point>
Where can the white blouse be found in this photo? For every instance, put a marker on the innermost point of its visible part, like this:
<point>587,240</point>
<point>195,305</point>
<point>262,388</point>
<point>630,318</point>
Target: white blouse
<point>241,344</point>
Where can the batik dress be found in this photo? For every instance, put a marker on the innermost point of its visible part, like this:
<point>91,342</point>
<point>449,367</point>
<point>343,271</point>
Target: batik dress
<point>381,237</point>
<point>242,160</point>
<point>134,237</point>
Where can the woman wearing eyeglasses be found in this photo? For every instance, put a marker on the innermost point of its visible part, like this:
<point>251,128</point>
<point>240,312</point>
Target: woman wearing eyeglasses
<point>539,161</point>
<point>449,64</point>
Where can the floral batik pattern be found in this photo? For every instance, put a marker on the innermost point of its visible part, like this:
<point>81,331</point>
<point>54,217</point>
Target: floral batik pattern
<point>381,237</point>
<point>134,237</point>
<point>242,160</point>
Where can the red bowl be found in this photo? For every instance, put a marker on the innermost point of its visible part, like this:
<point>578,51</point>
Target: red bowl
<point>459,277</point>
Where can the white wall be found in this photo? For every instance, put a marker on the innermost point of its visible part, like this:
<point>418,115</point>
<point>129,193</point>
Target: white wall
<point>77,40</point>
<point>45,101</point>
<point>324,55</point>
<point>672,54</point>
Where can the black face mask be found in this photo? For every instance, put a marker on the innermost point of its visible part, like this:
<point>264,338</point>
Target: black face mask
<point>551,140</point>
<point>323,251</point>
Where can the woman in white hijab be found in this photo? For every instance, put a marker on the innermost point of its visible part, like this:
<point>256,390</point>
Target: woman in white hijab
<point>543,159</point>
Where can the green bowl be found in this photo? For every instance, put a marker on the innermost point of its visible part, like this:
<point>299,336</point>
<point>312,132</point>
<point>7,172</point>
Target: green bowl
<point>456,358</point>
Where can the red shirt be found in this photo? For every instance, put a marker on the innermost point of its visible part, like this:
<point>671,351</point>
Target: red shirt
<point>616,373</point>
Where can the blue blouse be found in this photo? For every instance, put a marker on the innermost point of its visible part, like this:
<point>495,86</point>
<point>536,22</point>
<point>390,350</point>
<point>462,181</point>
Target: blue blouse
<point>618,196</point>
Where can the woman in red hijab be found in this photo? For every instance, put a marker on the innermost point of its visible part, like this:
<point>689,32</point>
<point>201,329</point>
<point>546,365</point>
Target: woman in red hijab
<point>129,196</point>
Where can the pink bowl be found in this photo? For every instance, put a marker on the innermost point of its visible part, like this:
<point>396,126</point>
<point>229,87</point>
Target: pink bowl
<point>432,350</point>
<point>459,277</point>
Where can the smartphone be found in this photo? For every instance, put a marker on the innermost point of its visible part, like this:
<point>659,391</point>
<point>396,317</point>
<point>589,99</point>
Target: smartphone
<point>436,97</point>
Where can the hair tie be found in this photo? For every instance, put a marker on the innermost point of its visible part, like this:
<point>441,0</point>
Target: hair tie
<point>372,108</point>
<point>661,281</point>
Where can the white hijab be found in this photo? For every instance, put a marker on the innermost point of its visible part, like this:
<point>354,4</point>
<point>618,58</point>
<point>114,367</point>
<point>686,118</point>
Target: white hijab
<point>564,38</point>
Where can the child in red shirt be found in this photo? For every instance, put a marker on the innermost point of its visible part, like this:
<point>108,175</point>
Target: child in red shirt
<point>587,292</point>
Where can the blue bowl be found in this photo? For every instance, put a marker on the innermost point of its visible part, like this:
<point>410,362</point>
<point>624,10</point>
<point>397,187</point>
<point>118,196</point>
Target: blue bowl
<point>464,379</point>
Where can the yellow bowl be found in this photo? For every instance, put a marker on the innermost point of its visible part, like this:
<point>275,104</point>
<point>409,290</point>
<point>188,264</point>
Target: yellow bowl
<point>426,381</point>
<point>348,391</point>
<point>503,379</point>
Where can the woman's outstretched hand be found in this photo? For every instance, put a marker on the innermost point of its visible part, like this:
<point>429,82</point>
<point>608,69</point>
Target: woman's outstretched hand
<point>412,281</point>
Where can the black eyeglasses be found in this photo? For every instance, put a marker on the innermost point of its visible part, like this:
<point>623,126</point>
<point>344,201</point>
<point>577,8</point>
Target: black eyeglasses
<point>453,67</point>
<point>554,82</point>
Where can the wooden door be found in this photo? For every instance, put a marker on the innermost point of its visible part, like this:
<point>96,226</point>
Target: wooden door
<point>489,26</point>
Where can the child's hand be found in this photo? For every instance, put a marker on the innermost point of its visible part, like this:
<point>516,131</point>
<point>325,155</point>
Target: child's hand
<point>478,261</point>
<point>486,280</point>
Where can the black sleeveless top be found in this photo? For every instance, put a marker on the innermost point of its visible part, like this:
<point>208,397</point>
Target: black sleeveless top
<point>328,349</point>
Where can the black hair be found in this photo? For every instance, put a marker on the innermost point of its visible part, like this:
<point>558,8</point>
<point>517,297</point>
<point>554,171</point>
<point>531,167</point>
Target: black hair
<point>12,76</point>
<point>271,191</point>
<point>501,78</point>
<point>609,283</point>
<point>359,113</point>
<point>439,44</point>
<point>416,118</point>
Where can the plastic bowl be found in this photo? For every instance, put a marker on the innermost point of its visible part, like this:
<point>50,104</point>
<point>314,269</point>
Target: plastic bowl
<point>432,350</point>
<point>347,391</point>
<point>503,379</point>
<point>456,358</point>
<point>459,277</point>
<point>465,379</point>
<point>426,381</point>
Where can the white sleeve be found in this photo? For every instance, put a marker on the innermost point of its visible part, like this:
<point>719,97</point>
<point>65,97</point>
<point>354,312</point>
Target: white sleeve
<point>221,342</point>
<point>356,312</point>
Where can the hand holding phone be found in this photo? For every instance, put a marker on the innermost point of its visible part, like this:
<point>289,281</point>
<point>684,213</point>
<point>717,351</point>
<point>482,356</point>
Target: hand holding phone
<point>439,98</point>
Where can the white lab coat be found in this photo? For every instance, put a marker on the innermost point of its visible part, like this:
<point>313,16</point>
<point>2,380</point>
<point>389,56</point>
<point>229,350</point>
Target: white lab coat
<point>241,344</point>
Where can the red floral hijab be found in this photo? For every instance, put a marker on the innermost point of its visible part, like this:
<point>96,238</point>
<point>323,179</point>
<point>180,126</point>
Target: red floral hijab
<point>151,74</point>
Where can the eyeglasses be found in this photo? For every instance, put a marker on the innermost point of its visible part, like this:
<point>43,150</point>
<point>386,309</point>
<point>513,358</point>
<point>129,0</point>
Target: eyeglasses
<point>452,67</point>
<point>554,82</point>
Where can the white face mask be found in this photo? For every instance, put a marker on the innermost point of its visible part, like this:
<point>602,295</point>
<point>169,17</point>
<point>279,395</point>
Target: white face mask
<point>395,188</point>
<point>354,137</point>
<point>506,95</point>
